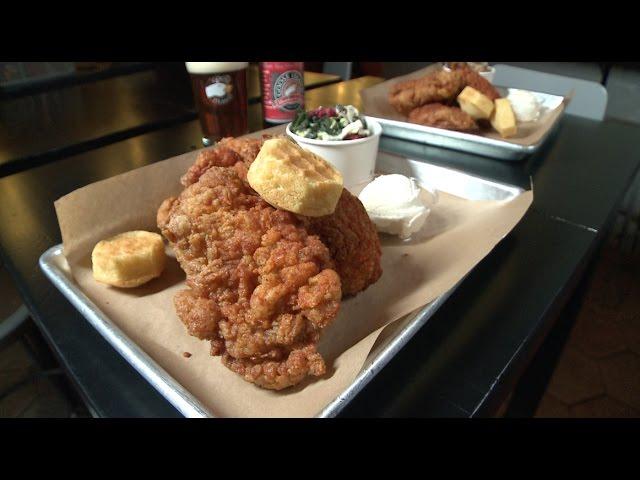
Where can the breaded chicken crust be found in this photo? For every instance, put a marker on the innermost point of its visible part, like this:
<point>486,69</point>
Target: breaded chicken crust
<point>348,232</point>
<point>262,283</point>
<point>353,242</point>
<point>473,79</point>
<point>438,86</point>
<point>441,86</point>
<point>261,287</point>
<point>443,116</point>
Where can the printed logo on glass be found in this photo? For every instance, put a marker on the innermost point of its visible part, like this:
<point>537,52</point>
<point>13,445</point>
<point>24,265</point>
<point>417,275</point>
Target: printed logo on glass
<point>220,89</point>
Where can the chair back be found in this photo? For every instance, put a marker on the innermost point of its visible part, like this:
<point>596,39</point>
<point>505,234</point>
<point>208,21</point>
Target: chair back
<point>588,99</point>
<point>341,69</point>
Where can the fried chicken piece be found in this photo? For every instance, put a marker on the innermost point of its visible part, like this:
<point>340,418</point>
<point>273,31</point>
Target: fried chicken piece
<point>278,375</point>
<point>473,79</point>
<point>349,233</point>
<point>440,86</point>
<point>263,282</point>
<point>353,242</point>
<point>162,216</point>
<point>201,316</point>
<point>261,288</point>
<point>443,116</point>
<point>228,152</point>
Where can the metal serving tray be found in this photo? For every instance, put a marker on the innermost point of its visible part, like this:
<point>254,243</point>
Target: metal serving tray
<point>55,267</point>
<point>468,142</point>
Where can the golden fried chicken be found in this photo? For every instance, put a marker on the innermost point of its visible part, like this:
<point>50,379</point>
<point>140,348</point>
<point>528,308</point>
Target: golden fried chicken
<point>261,287</point>
<point>263,283</point>
<point>443,116</point>
<point>353,242</point>
<point>441,86</point>
<point>349,234</point>
<point>438,86</point>
<point>473,79</point>
<point>228,152</point>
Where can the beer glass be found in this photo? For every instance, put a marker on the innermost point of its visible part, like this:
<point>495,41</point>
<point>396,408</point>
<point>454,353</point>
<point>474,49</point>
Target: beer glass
<point>220,94</point>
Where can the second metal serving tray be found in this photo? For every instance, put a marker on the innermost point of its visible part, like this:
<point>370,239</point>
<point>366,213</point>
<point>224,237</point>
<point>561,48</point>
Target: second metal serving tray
<point>55,267</point>
<point>469,142</point>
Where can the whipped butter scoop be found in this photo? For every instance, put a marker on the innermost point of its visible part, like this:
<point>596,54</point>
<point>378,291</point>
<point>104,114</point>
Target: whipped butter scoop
<point>525,105</point>
<point>395,204</point>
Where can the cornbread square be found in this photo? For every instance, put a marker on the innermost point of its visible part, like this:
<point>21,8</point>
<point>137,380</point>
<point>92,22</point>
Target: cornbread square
<point>503,119</point>
<point>476,104</point>
<point>291,178</point>
<point>129,259</point>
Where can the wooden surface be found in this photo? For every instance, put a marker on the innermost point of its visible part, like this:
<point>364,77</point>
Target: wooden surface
<point>461,363</point>
<point>61,122</point>
<point>63,119</point>
<point>455,366</point>
<point>346,93</point>
<point>92,72</point>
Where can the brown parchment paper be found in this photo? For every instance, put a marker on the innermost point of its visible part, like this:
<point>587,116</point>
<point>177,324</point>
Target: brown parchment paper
<point>375,103</point>
<point>458,234</point>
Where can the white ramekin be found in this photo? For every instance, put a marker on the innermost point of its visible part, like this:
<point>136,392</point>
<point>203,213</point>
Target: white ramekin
<point>489,74</point>
<point>355,159</point>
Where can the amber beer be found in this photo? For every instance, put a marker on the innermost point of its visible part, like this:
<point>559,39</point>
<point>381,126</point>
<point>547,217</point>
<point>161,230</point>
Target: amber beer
<point>220,93</point>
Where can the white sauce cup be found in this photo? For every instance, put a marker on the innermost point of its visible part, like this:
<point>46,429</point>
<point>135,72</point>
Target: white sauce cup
<point>489,74</point>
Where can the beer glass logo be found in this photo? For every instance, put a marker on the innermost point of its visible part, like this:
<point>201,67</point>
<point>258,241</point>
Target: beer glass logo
<point>220,89</point>
<point>288,90</point>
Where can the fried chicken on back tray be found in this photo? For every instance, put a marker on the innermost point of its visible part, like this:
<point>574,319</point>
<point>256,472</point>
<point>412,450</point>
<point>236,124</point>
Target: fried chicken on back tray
<point>436,87</point>
<point>441,86</point>
<point>443,116</point>
<point>263,281</point>
<point>473,79</point>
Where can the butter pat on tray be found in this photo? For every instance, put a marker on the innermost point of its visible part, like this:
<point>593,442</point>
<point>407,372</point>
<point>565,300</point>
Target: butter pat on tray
<point>294,179</point>
<point>395,205</point>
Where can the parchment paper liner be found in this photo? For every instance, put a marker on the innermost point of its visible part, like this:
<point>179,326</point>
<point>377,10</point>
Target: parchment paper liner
<point>458,235</point>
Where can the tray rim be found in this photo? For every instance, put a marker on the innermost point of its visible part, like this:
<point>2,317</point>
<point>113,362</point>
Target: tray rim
<point>369,372</point>
<point>468,137</point>
<point>512,151</point>
<point>171,389</point>
<point>187,404</point>
<point>144,364</point>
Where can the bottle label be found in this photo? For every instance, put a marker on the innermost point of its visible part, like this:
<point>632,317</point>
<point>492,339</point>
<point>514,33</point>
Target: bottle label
<point>282,90</point>
<point>288,91</point>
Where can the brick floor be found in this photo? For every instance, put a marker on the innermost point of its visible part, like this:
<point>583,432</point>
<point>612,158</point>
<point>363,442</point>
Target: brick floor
<point>602,407</point>
<point>551,407</point>
<point>576,378</point>
<point>598,375</point>
<point>24,390</point>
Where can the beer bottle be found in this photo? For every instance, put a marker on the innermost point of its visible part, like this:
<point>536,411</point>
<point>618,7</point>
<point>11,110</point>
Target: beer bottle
<point>282,85</point>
